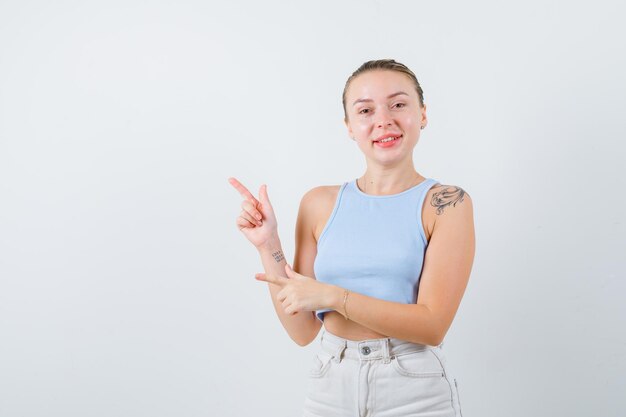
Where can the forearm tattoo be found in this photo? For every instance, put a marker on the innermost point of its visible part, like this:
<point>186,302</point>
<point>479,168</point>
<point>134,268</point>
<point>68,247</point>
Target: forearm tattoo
<point>278,256</point>
<point>449,195</point>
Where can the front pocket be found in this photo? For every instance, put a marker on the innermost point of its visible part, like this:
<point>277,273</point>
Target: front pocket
<point>321,362</point>
<point>421,364</point>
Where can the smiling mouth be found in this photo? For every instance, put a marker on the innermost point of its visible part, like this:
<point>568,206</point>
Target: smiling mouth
<point>387,140</point>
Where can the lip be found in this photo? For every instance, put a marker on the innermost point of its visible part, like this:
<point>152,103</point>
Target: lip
<point>388,135</point>
<point>390,144</point>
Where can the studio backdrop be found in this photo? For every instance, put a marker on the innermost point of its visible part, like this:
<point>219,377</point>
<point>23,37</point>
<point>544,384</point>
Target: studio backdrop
<point>126,288</point>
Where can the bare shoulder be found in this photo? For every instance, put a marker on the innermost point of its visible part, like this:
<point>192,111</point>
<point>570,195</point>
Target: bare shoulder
<point>444,198</point>
<point>445,201</point>
<point>319,202</point>
<point>320,197</point>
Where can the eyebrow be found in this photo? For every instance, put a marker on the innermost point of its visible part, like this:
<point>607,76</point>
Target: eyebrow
<point>369,99</point>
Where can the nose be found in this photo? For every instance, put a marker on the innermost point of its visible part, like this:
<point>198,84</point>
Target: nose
<point>384,118</point>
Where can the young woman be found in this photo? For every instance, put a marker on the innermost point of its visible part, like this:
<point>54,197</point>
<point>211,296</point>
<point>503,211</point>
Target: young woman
<point>381,261</point>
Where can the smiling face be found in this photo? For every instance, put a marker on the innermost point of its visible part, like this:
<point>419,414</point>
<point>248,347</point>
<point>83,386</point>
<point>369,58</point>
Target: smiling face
<point>381,103</point>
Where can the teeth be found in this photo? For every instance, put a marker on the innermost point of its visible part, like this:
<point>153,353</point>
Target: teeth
<point>387,139</point>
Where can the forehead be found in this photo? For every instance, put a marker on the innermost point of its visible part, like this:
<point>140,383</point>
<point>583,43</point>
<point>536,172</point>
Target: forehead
<point>378,84</point>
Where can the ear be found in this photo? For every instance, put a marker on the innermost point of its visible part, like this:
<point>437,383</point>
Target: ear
<point>347,123</point>
<point>424,121</point>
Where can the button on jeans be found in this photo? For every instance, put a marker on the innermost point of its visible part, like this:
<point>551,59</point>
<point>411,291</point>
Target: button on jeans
<point>385,377</point>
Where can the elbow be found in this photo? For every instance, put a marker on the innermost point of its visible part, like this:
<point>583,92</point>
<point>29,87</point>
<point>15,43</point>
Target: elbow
<point>438,329</point>
<point>306,334</point>
<point>436,341</point>
<point>437,336</point>
<point>303,341</point>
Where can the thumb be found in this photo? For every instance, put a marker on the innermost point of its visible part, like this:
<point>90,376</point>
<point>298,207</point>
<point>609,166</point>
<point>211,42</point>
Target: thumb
<point>264,198</point>
<point>290,272</point>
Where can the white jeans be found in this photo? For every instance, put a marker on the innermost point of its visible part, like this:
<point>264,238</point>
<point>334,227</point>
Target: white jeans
<point>385,377</point>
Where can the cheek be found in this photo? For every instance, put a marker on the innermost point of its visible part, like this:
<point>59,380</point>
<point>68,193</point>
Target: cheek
<point>361,131</point>
<point>362,126</point>
<point>411,121</point>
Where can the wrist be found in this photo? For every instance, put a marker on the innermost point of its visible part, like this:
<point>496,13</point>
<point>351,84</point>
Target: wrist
<point>336,299</point>
<point>272,244</point>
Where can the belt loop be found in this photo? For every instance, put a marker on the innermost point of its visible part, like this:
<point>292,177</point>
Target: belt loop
<point>339,351</point>
<point>386,350</point>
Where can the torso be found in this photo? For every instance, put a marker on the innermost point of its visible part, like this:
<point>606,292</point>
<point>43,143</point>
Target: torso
<point>334,322</point>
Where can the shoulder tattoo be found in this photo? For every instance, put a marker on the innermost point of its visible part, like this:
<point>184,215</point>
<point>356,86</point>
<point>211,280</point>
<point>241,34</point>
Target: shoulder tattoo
<point>447,196</point>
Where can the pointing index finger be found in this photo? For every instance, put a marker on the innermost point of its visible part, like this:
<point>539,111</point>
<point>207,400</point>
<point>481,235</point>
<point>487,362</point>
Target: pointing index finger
<point>243,191</point>
<point>274,279</point>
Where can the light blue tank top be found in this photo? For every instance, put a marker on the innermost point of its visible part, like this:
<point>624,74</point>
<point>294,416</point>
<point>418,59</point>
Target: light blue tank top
<point>374,244</point>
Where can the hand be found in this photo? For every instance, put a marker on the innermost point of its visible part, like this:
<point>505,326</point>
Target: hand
<point>258,231</point>
<point>299,292</point>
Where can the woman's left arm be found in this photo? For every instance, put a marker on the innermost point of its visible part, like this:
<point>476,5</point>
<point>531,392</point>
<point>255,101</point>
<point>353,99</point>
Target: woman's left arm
<point>447,265</point>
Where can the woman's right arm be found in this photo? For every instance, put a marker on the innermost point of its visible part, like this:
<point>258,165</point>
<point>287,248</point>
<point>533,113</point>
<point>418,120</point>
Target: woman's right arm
<point>302,327</point>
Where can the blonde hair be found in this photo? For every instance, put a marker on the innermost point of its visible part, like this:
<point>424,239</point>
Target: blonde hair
<point>382,64</point>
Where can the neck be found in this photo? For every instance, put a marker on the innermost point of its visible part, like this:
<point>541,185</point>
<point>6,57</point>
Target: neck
<point>388,183</point>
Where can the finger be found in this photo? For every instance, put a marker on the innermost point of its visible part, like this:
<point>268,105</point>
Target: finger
<point>241,223</point>
<point>248,217</point>
<point>291,310</point>
<point>243,190</point>
<point>263,197</point>
<point>261,276</point>
<point>250,208</point>
<point>290,272</point>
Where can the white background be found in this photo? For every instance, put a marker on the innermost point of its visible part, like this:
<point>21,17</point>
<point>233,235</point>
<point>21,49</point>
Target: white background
<point>126,288</point>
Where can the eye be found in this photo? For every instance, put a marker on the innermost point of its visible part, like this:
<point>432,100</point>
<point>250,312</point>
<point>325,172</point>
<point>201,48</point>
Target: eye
<point>403,105</point>
<point>361,112</point>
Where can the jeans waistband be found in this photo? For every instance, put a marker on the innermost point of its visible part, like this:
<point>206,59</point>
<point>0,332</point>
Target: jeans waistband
<point>368,349</point>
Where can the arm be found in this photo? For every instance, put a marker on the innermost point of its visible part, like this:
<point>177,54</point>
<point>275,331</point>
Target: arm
<point>264,236</point>
<point>302,327</point>
<point>447,265</point>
